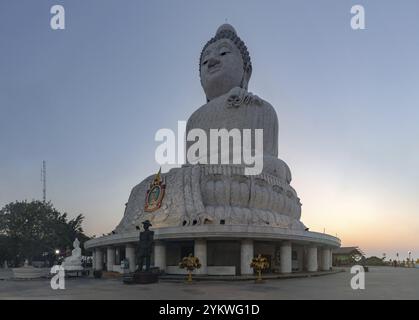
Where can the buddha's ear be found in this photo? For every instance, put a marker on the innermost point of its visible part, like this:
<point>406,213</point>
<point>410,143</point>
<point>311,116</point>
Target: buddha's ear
<point>245,81</point>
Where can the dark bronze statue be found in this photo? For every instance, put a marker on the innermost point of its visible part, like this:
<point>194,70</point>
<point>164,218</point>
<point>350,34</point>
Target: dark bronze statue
<point>145,247</point>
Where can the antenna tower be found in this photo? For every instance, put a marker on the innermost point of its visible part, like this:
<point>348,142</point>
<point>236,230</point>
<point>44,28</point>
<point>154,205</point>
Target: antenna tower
<point>44,180</point>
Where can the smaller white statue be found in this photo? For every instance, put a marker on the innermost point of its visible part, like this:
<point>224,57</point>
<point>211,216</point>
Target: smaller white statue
<point>73,262</point>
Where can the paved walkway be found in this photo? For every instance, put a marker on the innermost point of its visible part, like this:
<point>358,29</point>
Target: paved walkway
<point>381,283</point>
<point>269,276</point>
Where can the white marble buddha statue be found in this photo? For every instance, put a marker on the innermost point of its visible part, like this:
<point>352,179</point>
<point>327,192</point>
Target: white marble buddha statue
<point>207,193</point>
<point>225,70</point>
<point>74,262</point>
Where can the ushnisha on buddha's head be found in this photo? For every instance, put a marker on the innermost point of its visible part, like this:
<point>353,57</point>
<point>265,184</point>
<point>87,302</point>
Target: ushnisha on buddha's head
<point>224,63</point>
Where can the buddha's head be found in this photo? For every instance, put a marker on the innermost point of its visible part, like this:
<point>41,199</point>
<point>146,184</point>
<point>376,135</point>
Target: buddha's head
<point>224,63</point>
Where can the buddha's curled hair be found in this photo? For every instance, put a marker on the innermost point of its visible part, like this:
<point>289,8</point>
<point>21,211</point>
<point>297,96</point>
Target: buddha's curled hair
<point>231,35</point>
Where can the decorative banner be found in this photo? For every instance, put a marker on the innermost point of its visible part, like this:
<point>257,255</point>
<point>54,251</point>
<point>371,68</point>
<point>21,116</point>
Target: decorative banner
<point>155,194</point>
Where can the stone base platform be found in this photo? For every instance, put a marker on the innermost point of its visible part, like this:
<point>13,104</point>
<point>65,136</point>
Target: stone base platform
<point>270,276</point>
<point>225,249</point>
<point>29,273</point>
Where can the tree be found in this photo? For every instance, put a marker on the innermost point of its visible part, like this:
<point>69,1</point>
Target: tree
<point>30,229</point>
<point>6,251</point>
<point>374,261</point>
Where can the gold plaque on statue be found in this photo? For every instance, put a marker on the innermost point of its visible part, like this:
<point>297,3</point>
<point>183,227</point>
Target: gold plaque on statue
<point>155,194</point>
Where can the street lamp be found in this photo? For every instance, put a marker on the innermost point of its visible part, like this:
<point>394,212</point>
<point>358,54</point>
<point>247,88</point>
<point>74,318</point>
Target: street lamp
<point>57,252</point>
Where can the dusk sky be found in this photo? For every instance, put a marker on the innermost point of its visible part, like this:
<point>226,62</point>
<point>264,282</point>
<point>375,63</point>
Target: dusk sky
<point>89,100</point>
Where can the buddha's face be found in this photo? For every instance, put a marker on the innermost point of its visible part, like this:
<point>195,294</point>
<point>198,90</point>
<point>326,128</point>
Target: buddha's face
<point>221,68</point>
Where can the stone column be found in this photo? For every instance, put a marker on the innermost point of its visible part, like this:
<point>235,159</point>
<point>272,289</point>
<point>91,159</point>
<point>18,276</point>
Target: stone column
<point>331,258</point>
<point>246,256</point>
<point>312,259</point>
<point>117,256</point>
<point>201,254</point>
<point>98,259</point>
<point>300,258</point>
<point>286,257</point>
<point>160,255</point>
<point>325,260</point>
<point>110,258</point>
<point>130,256</point>
<point>94,259</point>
